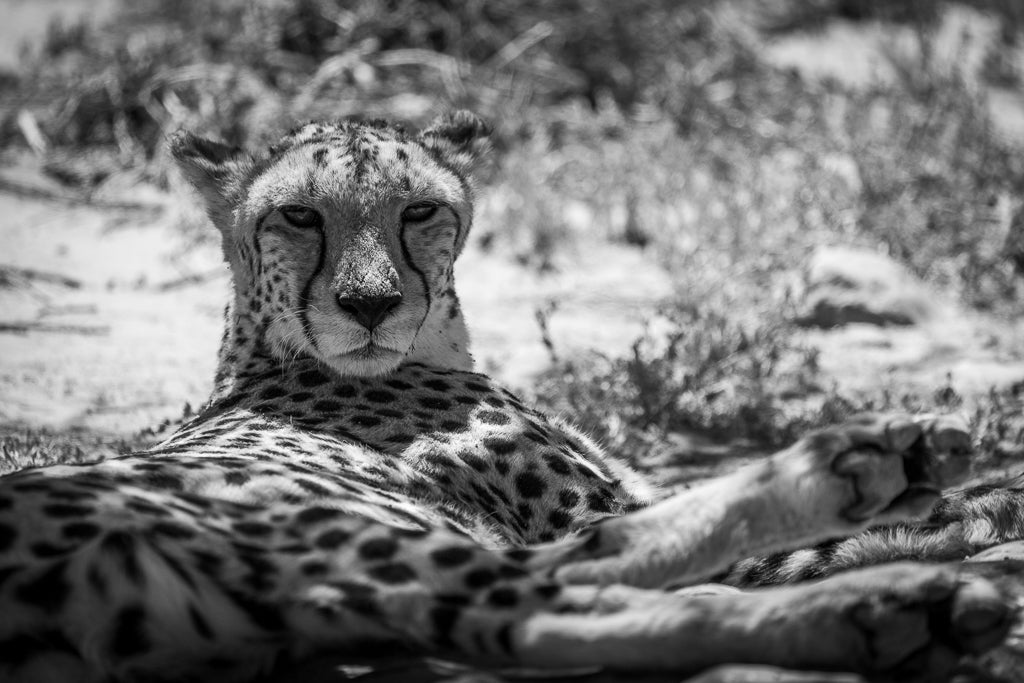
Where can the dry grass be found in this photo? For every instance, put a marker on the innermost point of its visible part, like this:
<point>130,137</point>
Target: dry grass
<point>24,446</point>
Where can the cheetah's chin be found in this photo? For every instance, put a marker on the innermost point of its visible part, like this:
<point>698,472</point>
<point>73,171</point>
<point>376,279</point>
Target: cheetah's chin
<point>368,361</point>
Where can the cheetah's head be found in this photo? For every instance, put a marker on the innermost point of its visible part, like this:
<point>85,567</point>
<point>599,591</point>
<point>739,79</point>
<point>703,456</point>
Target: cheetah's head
<point>341,237</point>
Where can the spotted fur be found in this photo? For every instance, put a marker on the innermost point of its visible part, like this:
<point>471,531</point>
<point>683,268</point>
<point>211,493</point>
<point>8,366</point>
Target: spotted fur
<point>352,481</point>
<point>962,524</point>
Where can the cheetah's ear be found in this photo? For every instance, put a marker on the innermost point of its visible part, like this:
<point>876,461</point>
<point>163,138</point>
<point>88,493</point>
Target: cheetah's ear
<point>460,137</point>
<point>216,170</point>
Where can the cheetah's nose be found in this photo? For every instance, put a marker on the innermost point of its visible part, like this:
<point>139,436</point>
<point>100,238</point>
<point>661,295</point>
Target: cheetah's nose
<point>370,310</point>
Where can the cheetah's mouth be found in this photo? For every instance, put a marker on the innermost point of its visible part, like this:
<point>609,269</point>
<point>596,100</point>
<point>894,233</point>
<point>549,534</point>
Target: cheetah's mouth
<point>366,361</point>
<point>371,351</point>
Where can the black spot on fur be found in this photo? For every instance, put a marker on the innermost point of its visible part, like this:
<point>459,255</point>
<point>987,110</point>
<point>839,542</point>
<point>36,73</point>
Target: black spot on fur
<point>393,573</point>
<point>454,599</point>
<point>437,385</point>
<point>6,573</point>
<point>511,571</point>
<point>257,529</point>
<point>173,530</point>
<point>766,569</point>
<point>500,446</point>
<point>43,549</point>
<point>332,539</point>
<point>262,615</point>
<point>568,498</point>
<point>480,578</point>
<point>452,556</point>
<point>345,391</point>
<point>503,597</point>
<point>378,549</point>
<point>538,438</point>
<point>17,650</point>
<point>147,508</point>
<point>130,637</point>
<point>272,392</point>
<point>359,597</point>
<point>312,378</point>
<point>316,514</point>
<point>378,396</point>
<point>96,581</point>
<point>163,480</point>
<point>31,486</point>
<point>530,485</point>
<point>548,591</point>
<point>365,420</point>
<point>325,406</point>
<point>236,478</point>
<point>443,618</point>
<point>559,519</point>
<point>123,546</point>
<point>519,554</point>
<point>599,501</point>
<point>208,563</point>
<point>434,403</point>
<point>557,464</point>
<point>504,638</point>
<point>68,496</point>
<point>62,510</point>
<point>493,417</point>
<point>313,487</point>
<point>48,591</point>
<point>199,623</point>
<point>80,531</point>
<point>313,568</point>
<point>7,537</point>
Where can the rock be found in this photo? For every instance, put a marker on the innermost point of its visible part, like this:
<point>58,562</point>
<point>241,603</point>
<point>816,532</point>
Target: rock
<point>852,285</point>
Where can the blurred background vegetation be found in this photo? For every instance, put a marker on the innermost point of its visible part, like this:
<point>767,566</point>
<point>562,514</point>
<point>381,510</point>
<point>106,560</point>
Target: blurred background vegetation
<point>659,124</point>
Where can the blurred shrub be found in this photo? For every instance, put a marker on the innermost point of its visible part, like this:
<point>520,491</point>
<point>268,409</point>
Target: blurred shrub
<point>232,67</point>
<point>702,371</point>
<point>935,174</point>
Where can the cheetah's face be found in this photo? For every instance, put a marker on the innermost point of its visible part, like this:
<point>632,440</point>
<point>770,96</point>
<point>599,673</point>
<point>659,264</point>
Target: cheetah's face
<point>343,235</point>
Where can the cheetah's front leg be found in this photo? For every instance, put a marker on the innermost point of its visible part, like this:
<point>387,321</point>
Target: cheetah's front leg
<point>902,622</point>
<point>834,482</point>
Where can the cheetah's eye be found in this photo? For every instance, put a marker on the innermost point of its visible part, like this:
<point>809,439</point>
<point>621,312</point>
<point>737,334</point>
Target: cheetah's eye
<point>417,213</point>
<point>301,216</point>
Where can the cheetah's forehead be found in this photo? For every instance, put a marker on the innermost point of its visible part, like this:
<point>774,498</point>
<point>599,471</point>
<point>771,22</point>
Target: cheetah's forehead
<point>327,163</point>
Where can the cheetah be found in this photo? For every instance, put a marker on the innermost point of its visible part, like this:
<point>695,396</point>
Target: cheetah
<point>351,482</point>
